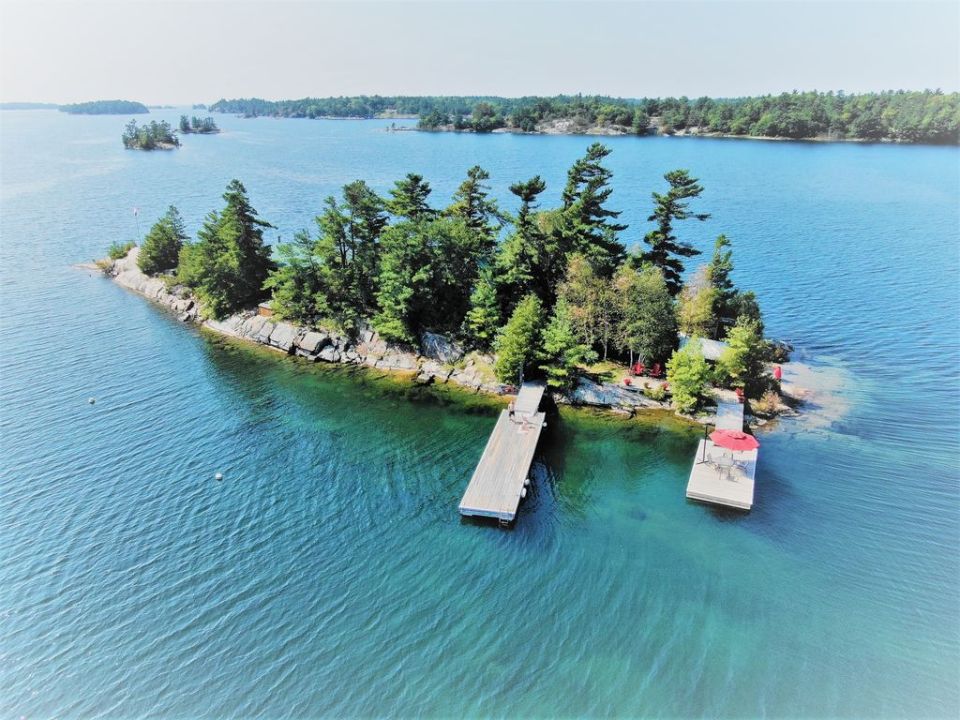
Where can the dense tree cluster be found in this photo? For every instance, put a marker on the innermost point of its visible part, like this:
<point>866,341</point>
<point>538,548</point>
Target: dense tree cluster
<point>547,290</point>
<point>907,116</point>
<point>149,136</point>
<point>197,125</point>
<point>106,107</point>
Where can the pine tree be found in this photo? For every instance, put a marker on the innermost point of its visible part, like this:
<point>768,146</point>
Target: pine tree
<point>520,261</point>
<point>483,318</point>
<point>161,246</point>
<point>725,306</point>
<point>295,284</point>
<point>408,198</point>
<point>229,263</point>
<point>743,362</point>
<point>562,349</point>
<point>588,226</point>
<point>518,341</point>
<point>665,248</point>
<point>404,281</point>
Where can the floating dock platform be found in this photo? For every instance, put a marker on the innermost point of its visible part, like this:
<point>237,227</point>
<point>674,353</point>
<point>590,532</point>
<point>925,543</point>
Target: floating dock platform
<point>720,476</point>
<point>498,482</point>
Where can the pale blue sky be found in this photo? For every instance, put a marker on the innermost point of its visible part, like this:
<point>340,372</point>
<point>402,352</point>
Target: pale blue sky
<point>177,52</point>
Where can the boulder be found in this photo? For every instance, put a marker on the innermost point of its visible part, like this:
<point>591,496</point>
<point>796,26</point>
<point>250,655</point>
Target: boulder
<point>283,336</point>
<point>588,392</point>
<point>313,342</point>
<point>266,330</point>
<point>329,354</point>
<point>439,347</point>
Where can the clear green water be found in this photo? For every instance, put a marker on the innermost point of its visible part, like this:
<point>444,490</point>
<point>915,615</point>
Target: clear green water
<point>329,573</point>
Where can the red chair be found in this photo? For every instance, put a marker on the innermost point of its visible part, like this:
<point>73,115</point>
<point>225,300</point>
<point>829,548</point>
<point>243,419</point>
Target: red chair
<point>739,394</point>
<point>638,368</point>
<point>627,381</point>
<point>656,371</point>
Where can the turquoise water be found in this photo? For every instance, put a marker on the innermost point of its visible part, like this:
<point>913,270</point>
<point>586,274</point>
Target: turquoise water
<point>329,573</point>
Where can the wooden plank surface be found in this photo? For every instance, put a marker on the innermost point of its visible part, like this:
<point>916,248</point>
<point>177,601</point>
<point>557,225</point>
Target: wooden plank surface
<point>497,483</point>
<point>732,487</point>
<point>529,397</point>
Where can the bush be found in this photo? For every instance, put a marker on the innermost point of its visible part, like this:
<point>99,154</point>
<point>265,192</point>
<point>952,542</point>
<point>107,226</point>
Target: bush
<point>162,245</point>
<point>767,406</point>
<point>688,374</point>
<point>118,251</point>
<point>657,393</point>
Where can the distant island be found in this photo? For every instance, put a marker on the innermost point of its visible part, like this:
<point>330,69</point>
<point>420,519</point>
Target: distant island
<point>28,106</point>
<point>199,126</point>
<point>106,107</point>
<point>895,116</point>
<point>150,136</point>
<point>199,106</point>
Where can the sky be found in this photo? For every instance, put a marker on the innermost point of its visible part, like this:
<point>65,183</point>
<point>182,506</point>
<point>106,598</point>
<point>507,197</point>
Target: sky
<point>188,52</point>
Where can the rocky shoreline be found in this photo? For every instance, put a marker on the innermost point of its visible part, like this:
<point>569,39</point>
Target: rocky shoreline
<point>436,360</point>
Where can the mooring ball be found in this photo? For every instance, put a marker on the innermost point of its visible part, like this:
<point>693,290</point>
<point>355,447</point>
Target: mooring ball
<point>218,476</point>
<point>92,400</point>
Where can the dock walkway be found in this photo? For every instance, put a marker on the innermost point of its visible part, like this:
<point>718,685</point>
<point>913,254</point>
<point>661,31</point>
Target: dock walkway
<point>498,482</point>
<point>720,476</point>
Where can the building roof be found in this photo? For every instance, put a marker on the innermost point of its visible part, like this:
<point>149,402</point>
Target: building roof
<point>710,349</point>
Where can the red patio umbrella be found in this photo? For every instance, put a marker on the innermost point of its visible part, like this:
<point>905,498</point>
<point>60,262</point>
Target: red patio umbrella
<point>734,440</point>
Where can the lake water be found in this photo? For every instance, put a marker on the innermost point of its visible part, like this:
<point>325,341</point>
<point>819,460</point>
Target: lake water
<point>329,574</point>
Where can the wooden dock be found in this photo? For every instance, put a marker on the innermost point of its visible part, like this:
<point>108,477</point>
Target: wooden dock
<point>720,476</point>
<point>498,482</point>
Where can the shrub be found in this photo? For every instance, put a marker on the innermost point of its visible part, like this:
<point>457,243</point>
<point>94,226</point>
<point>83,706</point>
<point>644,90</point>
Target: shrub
<point>767,406</point>
<point>656,392</point>
<point>688,374</point>
<point>118,251</point>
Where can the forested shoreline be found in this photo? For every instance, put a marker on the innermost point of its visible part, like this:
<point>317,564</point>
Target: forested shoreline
<point>106,107</point>
<point>902,116</point>
<point>544,291</point>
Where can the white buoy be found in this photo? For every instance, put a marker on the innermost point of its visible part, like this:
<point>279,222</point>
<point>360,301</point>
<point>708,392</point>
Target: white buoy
<point>526,482</point>
<point>218,476</point>
<point>92,400</point>
<point>523,493</point>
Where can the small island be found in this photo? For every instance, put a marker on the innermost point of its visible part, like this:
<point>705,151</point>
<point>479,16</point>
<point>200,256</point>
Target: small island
<point>150,136</point>
<point>472,295</point>
<point>198,126</point>
<point>106,107</point>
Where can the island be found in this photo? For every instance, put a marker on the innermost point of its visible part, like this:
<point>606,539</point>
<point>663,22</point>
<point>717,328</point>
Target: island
<point>472,295</point>
<point>106,107</point>
<point>198,126</point>
<point>895,116</point>
<point>150,136</point>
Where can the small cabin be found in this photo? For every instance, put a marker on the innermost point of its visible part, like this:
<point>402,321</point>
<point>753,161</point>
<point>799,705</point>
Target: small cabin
<point>264,309</point>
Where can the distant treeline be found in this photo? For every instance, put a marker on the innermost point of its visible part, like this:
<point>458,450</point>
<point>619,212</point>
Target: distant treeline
<point>106,107</point>
<point>906,116</point>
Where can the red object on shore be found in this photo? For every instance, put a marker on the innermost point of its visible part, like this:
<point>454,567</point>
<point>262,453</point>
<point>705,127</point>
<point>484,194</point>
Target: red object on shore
<point>638,368</point>
<point>777,373</point>
<point>627,381</point>
<point>734,440</point>
<point>655,370</point>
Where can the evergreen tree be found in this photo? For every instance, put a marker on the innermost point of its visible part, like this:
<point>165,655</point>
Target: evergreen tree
<point>665,248</point>
<point>725,306</point>
<point>647,324</point>
<point>161,247</point>
<point>743,362</point>
<point>472,203</point>
<point>405,278</point>
<point>483,318</point>
<point>520,261</point>
<point>588,226</point>
<point>229,263</point>
<point>749,310</point>
<point>562,349</point>
<point>408,198</point>
<point>295,285</point>
<point>518,340</point>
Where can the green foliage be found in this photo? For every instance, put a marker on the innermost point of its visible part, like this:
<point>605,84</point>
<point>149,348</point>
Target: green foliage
<point>725,306</point>
<point>408,198</point>
<point>588,226</point>
<point>150,136</point>
<point>106,107</point>
<point>665,249</point>
<point>518,341</point>
<point>522,260</point>
<point>406,272</point>
<point>198,125</point>
<point>695,307</point>
<point>747,309</point>
<point>562,349</point>
<point>591,301</point>
<point>118,250</point>
<point>907,116</point>
<point>161,247</point>
<point>294,285</point>
<point>688,375</point>
<point>646,322</point>
<point>483,318</point>
<point>743,363</point>
<point>229,263</point>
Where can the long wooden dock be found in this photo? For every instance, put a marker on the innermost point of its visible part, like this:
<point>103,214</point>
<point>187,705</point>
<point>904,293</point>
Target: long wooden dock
<point>720,476</point>
<point>498,482</point>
